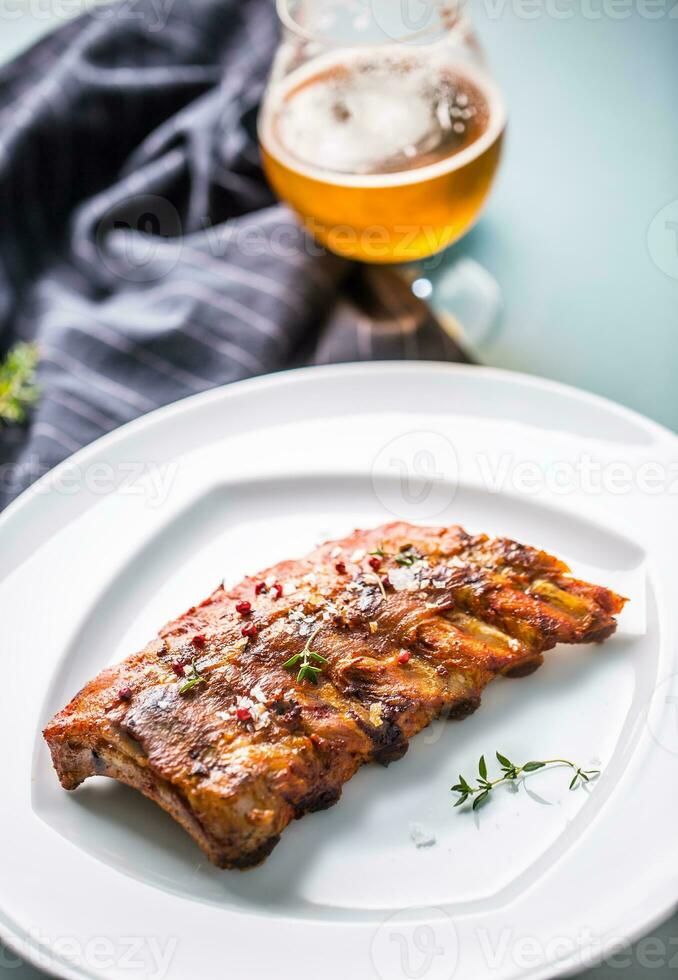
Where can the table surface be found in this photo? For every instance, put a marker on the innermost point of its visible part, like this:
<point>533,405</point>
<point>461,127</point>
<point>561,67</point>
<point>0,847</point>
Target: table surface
<point>589,284</point>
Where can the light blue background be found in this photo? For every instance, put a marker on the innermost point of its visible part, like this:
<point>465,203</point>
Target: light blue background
<point>591,157</point>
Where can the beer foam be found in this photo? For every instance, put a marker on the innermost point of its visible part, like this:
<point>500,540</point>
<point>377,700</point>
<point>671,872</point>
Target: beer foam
<point>354,123</point>
<point>379,116</point>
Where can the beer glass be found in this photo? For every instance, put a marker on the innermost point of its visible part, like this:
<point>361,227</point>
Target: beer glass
<point>381,125</point>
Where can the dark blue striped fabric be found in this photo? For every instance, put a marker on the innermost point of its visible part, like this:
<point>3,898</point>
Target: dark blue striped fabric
<point>139,244</point>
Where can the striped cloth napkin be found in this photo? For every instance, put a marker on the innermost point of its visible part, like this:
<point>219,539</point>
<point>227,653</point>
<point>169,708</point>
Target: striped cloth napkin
<point>139,243</point>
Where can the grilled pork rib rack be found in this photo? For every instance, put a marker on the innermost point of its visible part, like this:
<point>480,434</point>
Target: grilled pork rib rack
<point>255,707</point>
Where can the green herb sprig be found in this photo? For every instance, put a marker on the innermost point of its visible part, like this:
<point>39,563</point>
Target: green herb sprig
<point>307,669</point>
<point>18,390</point>
<point>193,679</point>
<point>406,557</point>
<point>510,773</point>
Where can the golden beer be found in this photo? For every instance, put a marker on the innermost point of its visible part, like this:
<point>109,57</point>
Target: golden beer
<point>386,154</point>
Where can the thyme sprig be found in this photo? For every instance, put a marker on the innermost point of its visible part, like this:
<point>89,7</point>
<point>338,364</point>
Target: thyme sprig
<point>510,773</point>
<point>192,679</point>
<point>406,557</point>
<point>307,669</point>
<point>18,390</point>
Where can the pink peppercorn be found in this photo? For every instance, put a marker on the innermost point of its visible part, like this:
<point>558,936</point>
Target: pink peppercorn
<point>243,607</point>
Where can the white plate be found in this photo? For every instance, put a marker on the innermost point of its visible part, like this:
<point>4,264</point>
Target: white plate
<point>99,880</point>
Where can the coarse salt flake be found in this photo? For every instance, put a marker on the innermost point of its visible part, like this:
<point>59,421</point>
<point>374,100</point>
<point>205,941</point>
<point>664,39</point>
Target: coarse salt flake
<point>403,579</point>
<point>258,693</point>
<point>421,837</point>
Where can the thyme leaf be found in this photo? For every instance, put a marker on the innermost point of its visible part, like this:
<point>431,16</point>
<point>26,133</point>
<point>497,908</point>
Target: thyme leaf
<point>193,679</point>
<point>406,557</point>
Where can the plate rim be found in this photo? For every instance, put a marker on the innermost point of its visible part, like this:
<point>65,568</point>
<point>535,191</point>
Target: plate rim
<point>655,911</point>
<point>291,375</point>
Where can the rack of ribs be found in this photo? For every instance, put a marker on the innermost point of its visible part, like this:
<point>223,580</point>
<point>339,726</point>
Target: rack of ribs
<point>255,707</point>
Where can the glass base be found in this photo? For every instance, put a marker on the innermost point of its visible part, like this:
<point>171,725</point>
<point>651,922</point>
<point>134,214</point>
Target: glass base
<point>463,296</point>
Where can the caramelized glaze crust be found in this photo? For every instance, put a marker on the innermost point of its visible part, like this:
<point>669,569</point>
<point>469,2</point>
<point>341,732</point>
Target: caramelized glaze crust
<point>406,635</point>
